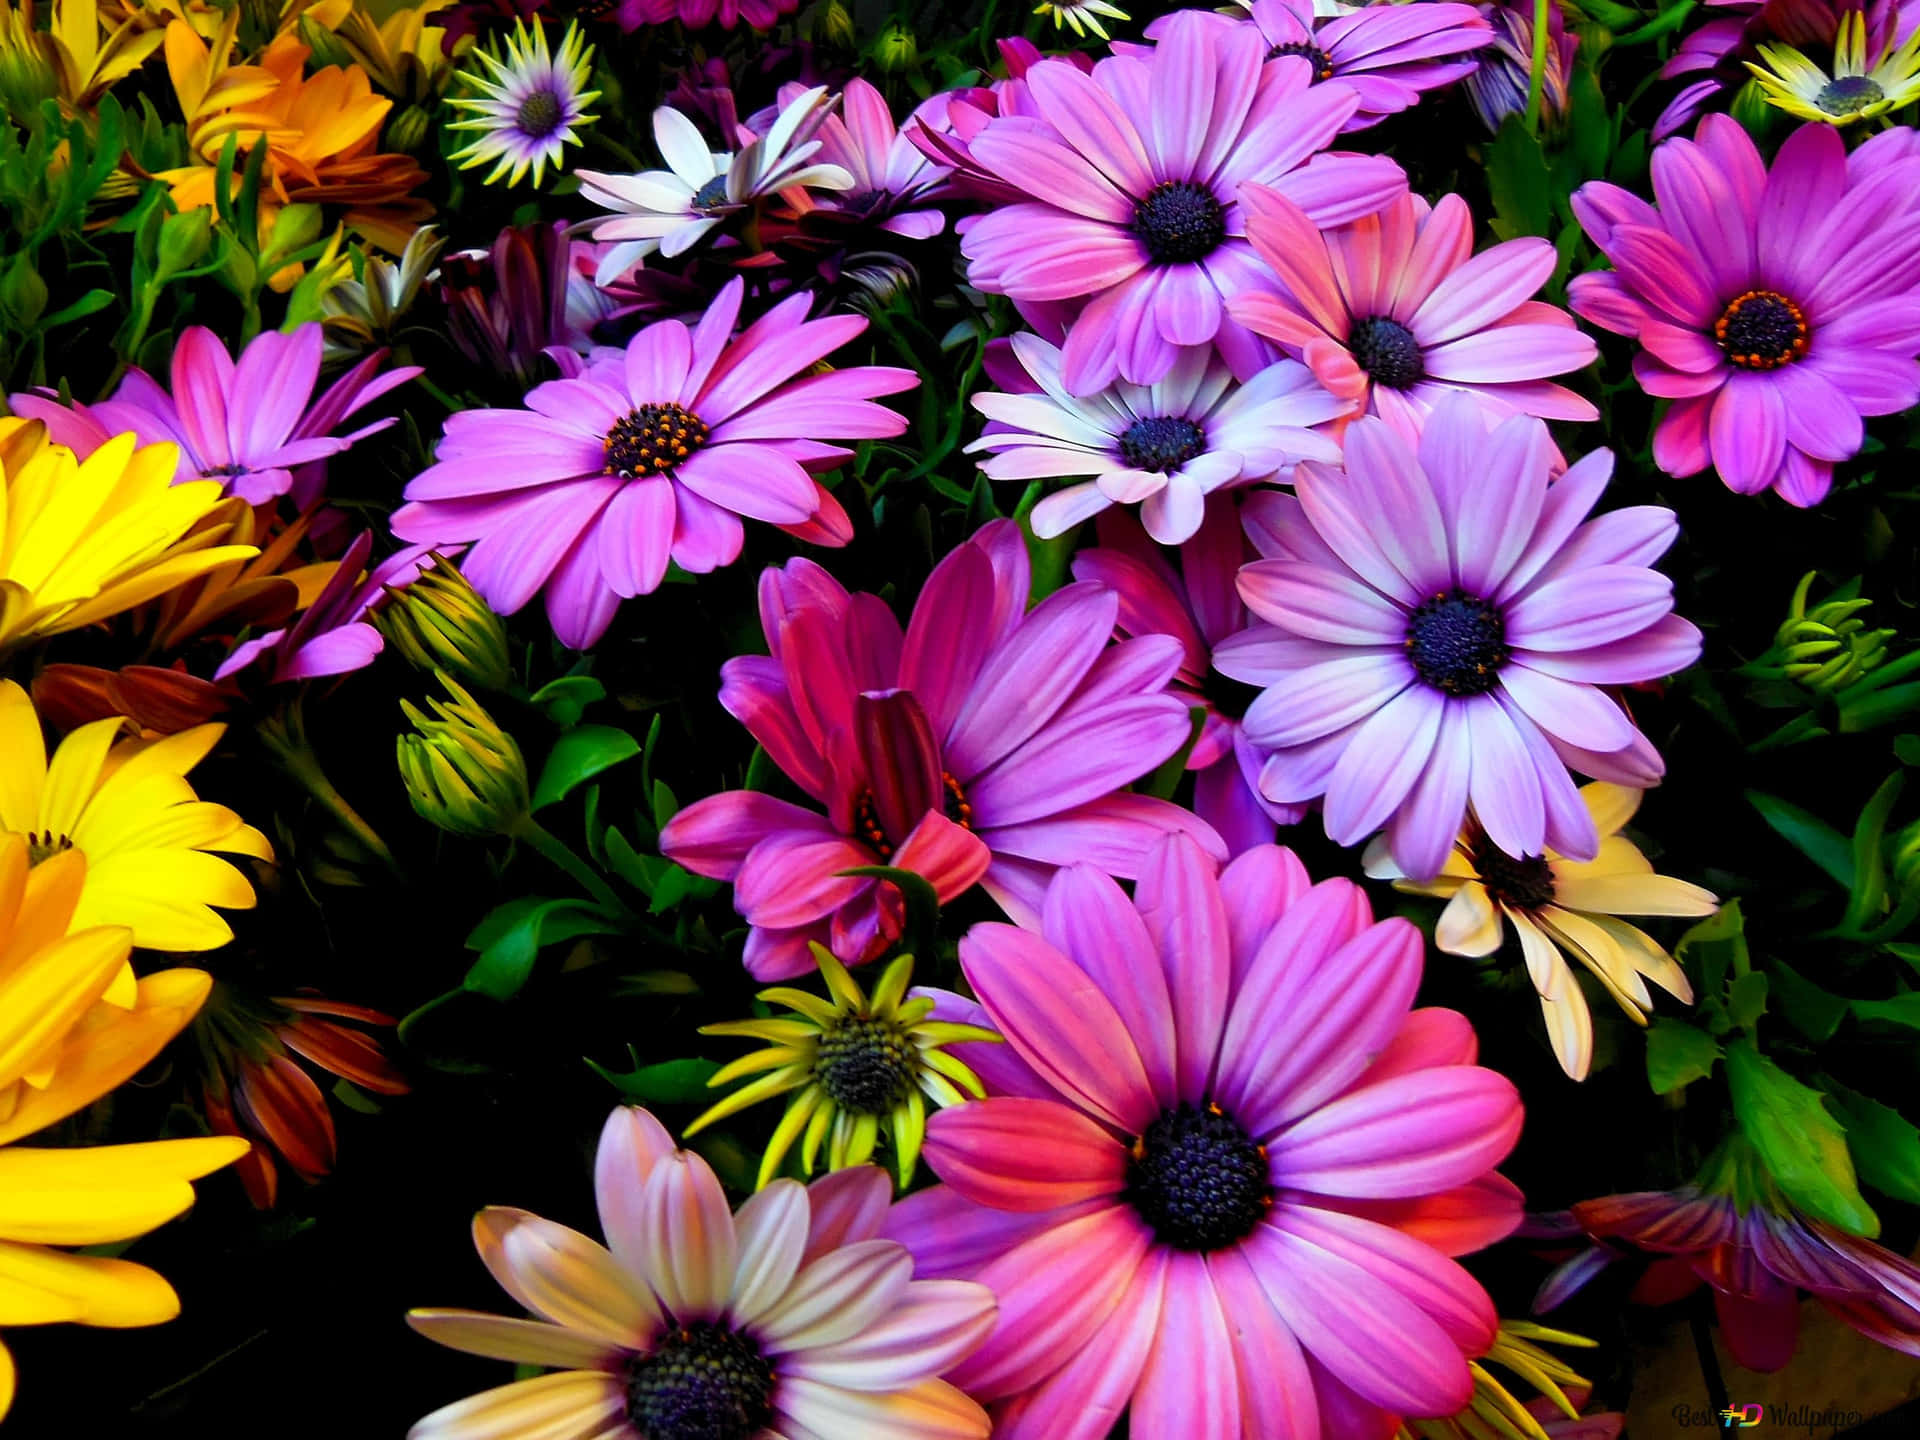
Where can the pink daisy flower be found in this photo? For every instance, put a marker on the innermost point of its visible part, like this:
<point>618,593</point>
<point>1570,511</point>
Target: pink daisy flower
<point>1387,53</point>
<point>630,15</point>
<point>788,1319</point>
<point>1395,310</point>
<point>1164,446</point>
<point>1223,1166</point>
<point>651,455</point>
<point>252,424</point>
<point>1442,625</point>
<point>1774,308</point>
<point>1132,178</point>
<point>1196,602</point>
<point>893,180</point>
<point>985,744</point>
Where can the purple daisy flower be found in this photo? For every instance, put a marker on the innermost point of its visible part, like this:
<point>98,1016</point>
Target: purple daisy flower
<point>653,454</point>
<point>1164,446</point>
<point>1389,54</point>
<point>254,425</point>
<point>1196,603</point>
<point>893,180</point>
<point>1223,1167</point>
<point>1498,85</point>
<point>1774,308</point>
<point>985,743</point>
<point>1395,310</point>
<point>1442,624</point>
<point>1140,217</point>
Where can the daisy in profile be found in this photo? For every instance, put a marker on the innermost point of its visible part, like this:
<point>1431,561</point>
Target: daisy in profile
<point>530,106</point>
<point>673,210</point>
<point>1164,446</point>
<point>790,1317</point>
<point>1083,17</point>
<point>1560,907</point>
<point>1858,89</point>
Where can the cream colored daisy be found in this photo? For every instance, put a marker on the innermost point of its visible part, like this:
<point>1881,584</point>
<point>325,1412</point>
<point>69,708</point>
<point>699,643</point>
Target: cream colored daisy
<point>1860,87</point>
<point>1562,907</point>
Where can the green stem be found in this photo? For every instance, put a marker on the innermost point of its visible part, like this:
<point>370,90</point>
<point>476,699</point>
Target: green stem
<point>561,854</point>
<point>286,741</point>
<point>1537,76</point>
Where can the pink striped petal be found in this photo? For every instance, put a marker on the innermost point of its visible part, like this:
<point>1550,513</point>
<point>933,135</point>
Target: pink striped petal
<point>1409,1135</point>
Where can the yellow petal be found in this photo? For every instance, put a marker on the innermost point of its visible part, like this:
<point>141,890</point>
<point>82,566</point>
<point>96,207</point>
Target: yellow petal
<point>1596,949</point>
<point>24,774</point>
<point>75,774</point>
<point>6,1381</point>
<point>1610,805</point>
<point>1545,967</point>
<point>1617,856</point>
<point>52,894</point>
<point>1570,1029</point>
<point>1647,957</point>
<point>101,1167</point>
<point>109,1047</point>
<point>171,755</point>
<point>163,896</point>
<point>30,1305</point>
<point>51,990</point>
<point>1470,925</point>
<point>1635,895</point>
<point>113,1293</point>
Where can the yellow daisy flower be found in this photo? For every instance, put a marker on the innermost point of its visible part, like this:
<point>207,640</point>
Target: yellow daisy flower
<point>63,1046</point>
<point>856,1063</point>
<point>1558,905</point>
<point>82,540</point>
<point>1856,90</point>
<point>1081,16</point>
<point>1495,1413</point>
<point>129,809</point>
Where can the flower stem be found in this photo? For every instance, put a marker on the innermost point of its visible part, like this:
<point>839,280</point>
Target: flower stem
<point>286,741</point>
<point>561,854</point>
<point>1537,74</point>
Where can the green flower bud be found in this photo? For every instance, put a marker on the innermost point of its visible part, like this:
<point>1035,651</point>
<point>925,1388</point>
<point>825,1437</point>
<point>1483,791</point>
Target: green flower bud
<point>183,243</point>
<point>1827,647</point>
<point>328,48</point>
<point>407,131</point>
<point>462,771</point>
<point>896,50</point>
<point>439,622</point>
<point>832,24</point>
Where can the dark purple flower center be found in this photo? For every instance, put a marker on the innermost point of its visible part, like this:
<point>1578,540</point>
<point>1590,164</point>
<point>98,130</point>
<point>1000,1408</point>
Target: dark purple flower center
<point>652,439</point>
<point>1762,330</point>
<point>701,1382</point>
<point>1198,1179</point>
<point>1457,643</point>
<point>712,195</point>
<point>539,114</point>
<point>1162,442</point>
<point>1179,221</point>
<point>224,472</point>
<point>1321,61</point>
<point>1387,351</point>
<point>868,1066</point>
<point>1523,884</point>
<point>1849,95</point>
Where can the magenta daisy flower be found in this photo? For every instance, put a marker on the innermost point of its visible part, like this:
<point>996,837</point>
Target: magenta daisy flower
<point>1774,308</point>
<point>1732,1231</point>
<point>1395,310</point>
<point>254,425</point>
<point>790,1317</point>
<point>651,455</point>
<point>1134,204</point>
<point>1164,447</point>
<point>1388,54</point>
<point>1218,1144</point>
<point>697,14</point>
<point>985,744</point>
<point>1196,602</point>
<point>1442,624</point>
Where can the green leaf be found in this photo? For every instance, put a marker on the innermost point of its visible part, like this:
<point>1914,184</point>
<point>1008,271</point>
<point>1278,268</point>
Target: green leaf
<point>671,1082</point>
<point>1716,945</point>
<point>1678,1054</point>
<point>1807,833</point>
<point>1906,748</point>
<point>1900,1010</point>
<point>1885,1145</point>
<point>1163,781</point>
<point>1803,1146</point>
<point>1519,182</point>
<point>511,936</point>
<point>1868,896</point>
<point>923,903</point>
<point>565,699</point>
<point>577,756</point>
<point>90,303</point>
<point>657,982</point>
<point>1812,1011</point>
<point>642,872</point>
<point>1747,999</point>
<point>761,771</point>
<point>665,806</point>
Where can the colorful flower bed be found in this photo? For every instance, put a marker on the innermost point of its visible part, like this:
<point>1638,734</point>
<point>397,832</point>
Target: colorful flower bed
<point>1184,725</point>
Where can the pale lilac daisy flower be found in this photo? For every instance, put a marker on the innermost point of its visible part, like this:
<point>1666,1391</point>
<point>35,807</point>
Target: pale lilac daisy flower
<point>529,107</point>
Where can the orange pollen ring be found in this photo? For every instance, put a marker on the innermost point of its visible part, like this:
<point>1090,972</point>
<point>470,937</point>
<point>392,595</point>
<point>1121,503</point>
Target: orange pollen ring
<point>1762,330</point>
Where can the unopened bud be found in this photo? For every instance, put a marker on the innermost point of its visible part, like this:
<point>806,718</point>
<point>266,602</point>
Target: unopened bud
<point>439,622</point>
<point>462,771</point>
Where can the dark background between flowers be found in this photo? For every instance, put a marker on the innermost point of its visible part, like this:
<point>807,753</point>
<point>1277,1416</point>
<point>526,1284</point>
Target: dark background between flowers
<point>292,1323</point>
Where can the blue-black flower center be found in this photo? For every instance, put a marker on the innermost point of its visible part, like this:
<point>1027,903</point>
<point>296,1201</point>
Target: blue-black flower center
<point>1321,61</point>
<point>1198,1179</point>
<point>700,1382</point>
<point>1179,221</point>
<point>539,114</point>
<point>223,472</point>
<point>652,439</point>
<point>1762,330</point>
<point>1849,95</point>
<point>1162,442</point>
<point>867,1065</point>
<point>1522,884</point>
<point>1457,643</point>
<point>712,195</point>
<point>1387,351</point>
